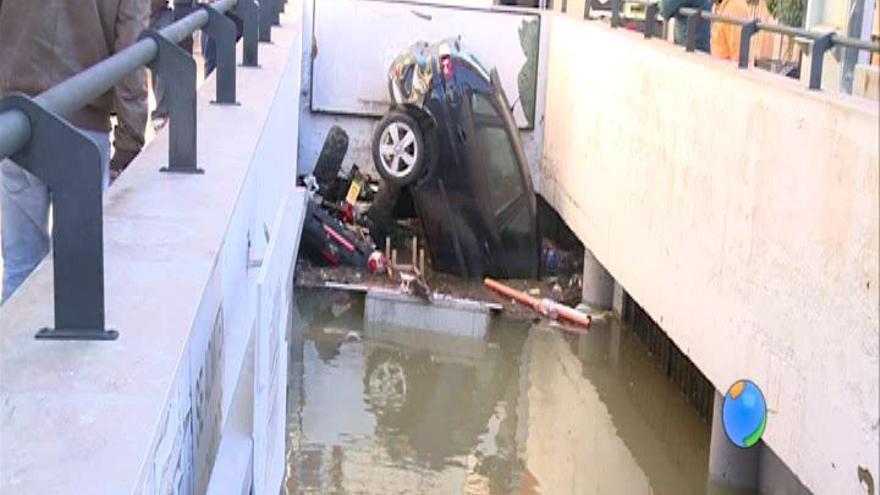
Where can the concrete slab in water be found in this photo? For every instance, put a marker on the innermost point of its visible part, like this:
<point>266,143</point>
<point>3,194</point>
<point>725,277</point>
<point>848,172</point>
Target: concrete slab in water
<point>448,315</point>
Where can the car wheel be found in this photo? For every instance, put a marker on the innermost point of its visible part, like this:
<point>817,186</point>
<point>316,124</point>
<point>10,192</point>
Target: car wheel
<point>399,149</point>
<point>380,216</point>
<point>386,386</point>
<point>330,160</point>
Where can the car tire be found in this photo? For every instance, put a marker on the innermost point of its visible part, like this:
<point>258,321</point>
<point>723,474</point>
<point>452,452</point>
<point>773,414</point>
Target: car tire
<point>330,160</point>
<point>399,151</point>
<point>386,377</point>
<point>380,216</point>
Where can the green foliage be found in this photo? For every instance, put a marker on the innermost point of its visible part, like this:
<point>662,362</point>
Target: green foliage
<point>788,12</point>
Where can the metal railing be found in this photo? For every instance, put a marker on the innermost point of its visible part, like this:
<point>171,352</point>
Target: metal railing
<point>821,41</point>
<point>34,132</point>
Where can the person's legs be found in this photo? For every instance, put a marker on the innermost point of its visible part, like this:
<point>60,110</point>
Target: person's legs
<point>158,21</point>
<point>24,216</point>
<point>209,52</point>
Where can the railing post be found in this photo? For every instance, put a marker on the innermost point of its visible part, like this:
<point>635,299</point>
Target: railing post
<point>178,69</point>
<point>564,6</point>
<point>651,10</point>
<point>249,12</point>
<point>587,7</point>
<point>266,20</point>
<point>693,26</point>
<point>71,166</point>
<point>221,29</point>
<point>615,13</point>
<point>274,11</point>
<point>817,59</point>
<point>745,42</point>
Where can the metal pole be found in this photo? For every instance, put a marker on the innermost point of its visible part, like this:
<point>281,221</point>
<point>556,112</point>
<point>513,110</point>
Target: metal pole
<point>266,7</point>
<point>851,55</point>
<point>615,13</point>
<point>817,59</point>
<point>74,93</point>
<point>15,130</point>
<point>221,30</point>
<point>35,131</point>
<point>68,162</point>
<point>693,25</point>
<point>650,19</point>
<point>249,12</point>
<point>745,42</point>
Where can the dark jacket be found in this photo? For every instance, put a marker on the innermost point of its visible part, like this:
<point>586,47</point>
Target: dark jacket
<point>158,5</point>
<point>45,42</point>
<point>669,8</point>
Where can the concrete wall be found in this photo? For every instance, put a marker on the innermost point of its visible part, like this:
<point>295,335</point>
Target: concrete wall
<point>740,210</point>
<point>150,412</point>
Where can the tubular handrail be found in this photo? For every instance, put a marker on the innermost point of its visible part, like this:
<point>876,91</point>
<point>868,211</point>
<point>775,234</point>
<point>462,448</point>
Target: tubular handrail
<point>821,41</point>
<point>67,97</point>
<point>35,131</point>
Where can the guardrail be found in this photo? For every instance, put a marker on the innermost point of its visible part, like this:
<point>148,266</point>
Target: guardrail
<point>35,134</point>
<point>821,41</point>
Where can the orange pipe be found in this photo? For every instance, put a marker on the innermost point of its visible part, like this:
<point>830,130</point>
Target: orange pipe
<point>545,307</point>
<point>516,295</point>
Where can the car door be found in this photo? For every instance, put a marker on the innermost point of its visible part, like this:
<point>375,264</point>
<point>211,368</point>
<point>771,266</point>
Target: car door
<point>513,242</point>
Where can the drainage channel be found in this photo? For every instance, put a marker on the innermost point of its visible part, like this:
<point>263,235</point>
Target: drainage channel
<point>522,409</point>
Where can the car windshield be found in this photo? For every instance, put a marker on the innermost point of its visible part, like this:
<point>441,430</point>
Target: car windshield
<point>502,170</point>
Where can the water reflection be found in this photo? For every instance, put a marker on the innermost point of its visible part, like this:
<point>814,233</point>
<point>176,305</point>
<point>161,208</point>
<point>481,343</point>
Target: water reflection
<point>527,410</point>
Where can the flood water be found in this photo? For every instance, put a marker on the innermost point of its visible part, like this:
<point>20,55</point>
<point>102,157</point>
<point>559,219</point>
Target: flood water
<point>525,410</point>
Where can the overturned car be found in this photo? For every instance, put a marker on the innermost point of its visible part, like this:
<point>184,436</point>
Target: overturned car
<point>450,141</point>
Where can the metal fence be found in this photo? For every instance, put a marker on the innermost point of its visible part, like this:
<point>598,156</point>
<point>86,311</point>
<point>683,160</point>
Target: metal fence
<point>820,42</point>
<point>34,132</point>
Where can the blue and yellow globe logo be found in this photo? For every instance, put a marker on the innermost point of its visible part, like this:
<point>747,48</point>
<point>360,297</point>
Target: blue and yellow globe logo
<point>744,413</point>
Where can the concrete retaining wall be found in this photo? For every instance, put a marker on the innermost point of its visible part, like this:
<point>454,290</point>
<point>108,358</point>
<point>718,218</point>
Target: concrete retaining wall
<point>740,210</point>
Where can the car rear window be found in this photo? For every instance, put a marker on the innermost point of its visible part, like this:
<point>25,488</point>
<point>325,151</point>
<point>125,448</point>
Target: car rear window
<point>502,170</point>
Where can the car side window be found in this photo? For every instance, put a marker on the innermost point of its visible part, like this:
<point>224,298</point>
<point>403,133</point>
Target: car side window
<point>483,107</point>
<point>502,170</point>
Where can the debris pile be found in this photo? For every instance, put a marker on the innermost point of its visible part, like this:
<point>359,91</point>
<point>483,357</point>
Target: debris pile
<point>454,202</point>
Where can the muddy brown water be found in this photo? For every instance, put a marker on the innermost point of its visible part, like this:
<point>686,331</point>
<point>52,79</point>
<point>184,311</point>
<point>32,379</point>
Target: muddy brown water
<point>527,410</point>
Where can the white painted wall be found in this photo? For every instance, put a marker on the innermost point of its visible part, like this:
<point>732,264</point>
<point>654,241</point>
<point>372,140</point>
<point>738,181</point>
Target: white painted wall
<point>740,210</point>
<point>358,40</point>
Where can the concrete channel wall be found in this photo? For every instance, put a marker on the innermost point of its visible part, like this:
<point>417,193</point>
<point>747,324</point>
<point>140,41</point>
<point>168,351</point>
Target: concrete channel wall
<point>198,270</point>
<point>740,210</point>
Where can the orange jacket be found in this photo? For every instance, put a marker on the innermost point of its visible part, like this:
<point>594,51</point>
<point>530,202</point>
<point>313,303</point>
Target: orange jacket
<point>726,37</point>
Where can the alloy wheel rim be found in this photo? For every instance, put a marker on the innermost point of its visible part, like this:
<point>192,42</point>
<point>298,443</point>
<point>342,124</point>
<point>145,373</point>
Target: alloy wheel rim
<point>398,149</point>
